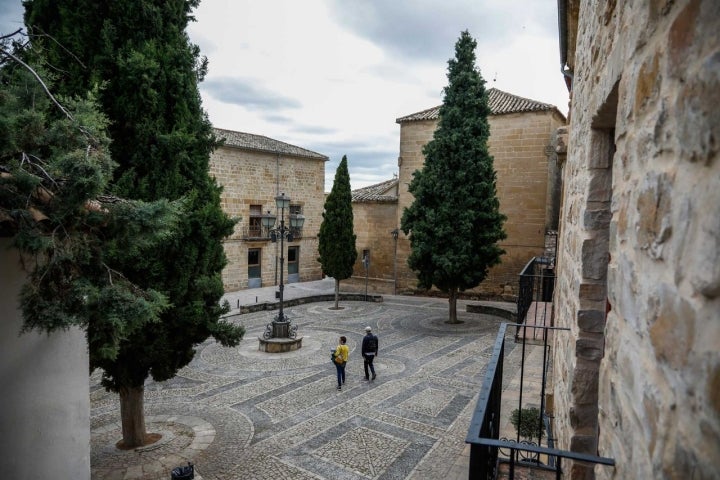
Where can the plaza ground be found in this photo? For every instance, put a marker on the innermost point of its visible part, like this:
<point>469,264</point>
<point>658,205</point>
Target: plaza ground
<point>239,413</point>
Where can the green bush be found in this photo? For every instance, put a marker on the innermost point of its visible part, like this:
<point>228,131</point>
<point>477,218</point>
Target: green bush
<point>527,423</point>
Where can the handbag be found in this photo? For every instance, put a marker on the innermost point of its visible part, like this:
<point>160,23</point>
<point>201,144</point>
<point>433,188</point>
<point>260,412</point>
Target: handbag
<point>337,358</point>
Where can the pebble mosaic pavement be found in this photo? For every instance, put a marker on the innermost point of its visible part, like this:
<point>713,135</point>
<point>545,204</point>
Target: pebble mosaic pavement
<point>239,413</point>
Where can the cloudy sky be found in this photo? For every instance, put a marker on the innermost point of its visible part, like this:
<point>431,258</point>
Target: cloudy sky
<point>333,75</point>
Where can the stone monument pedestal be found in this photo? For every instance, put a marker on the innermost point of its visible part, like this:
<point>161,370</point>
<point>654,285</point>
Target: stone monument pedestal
<point>277,345</point>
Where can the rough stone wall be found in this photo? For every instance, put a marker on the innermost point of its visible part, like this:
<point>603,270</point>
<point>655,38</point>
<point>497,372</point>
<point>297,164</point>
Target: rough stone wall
<point>519,145</point>
<point>255,178</point>
<point>640,240</point>
<point>373,224</point>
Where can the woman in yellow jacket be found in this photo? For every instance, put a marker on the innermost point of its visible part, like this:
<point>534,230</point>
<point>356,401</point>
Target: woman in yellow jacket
<point>342,352</point>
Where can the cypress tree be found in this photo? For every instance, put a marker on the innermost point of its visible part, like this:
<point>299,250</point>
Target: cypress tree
<point>336,238</point>
<point>55,167</point>
<point>455,222</point>
<point>138,53</point>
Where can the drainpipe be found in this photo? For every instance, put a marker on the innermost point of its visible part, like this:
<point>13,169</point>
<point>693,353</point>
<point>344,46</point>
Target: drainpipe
<point>563,33</point>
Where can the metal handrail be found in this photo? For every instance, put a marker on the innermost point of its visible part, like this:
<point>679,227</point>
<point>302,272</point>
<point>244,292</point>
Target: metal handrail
<point>483,432</point>
<point>486,419</point>
<point>534,284</point>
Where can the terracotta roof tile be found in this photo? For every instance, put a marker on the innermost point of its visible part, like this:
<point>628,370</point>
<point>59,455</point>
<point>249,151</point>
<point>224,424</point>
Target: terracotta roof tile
<point>383,192</point>
<point>500,103</point>
<point>260,143</point>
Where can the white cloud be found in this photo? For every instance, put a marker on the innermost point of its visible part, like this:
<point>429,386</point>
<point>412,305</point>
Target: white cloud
<point>333,75</point>
<point>357,66</point>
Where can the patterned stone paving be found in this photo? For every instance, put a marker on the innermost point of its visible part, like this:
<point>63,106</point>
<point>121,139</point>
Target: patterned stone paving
<point>239,413</point>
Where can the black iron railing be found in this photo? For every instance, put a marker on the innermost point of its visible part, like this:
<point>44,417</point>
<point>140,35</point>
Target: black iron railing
<point>487,450</point>
<point>486,419</point>
<point>518,451</point>
<point>257,232</point>
<point>537,284</point>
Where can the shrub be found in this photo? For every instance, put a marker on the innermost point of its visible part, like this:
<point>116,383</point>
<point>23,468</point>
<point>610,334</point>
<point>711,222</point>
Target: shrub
<point>526,422</point>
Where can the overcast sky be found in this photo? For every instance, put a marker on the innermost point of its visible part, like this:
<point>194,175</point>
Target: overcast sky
<point>333,75</point>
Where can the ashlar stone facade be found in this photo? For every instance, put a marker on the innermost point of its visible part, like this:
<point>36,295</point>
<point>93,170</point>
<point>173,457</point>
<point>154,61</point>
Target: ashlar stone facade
<point>253,170</point>
<point>637,377</point>
<point>521,136</point>
<point>374,223</point>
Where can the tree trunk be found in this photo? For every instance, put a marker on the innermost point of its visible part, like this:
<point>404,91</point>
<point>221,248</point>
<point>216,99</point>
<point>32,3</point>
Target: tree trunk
<point>337,293</point>
<point>133,416</point>
<point>452,301</point>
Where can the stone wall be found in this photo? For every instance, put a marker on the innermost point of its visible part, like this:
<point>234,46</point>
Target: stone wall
<point>520,145</point>
<point>373,224</point>
<point>637,378</point>
<point>255,178</point>
<point>413,137</point>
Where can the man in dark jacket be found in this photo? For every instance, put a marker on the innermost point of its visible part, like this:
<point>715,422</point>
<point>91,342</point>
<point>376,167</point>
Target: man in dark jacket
<point>369,352</point>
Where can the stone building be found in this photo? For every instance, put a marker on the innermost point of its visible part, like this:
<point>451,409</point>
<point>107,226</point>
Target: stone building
<point>521,132</point>
<point>637,377</point>
<point>375,225</point>
<point>253,170</point>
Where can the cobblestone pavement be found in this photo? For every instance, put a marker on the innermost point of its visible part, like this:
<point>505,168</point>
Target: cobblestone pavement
<point>238,413</point>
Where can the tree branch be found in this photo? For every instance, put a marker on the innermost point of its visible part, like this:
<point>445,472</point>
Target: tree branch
<point>37,77</point>
<point>43,34</point>
<point>3,37</point>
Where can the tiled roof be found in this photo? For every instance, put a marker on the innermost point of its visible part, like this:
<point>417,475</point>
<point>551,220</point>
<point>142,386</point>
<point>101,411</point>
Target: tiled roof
<point>260,143</point>
<point>500,103</point>
<point>380,192</point>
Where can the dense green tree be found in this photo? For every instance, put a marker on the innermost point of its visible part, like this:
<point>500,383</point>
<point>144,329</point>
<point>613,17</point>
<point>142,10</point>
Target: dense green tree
<point>455,222</point>
<point>336,238</point>
<point>55,167</point>
<point>139,54</point>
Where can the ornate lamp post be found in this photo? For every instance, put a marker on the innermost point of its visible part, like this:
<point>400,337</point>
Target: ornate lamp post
<point>280,326</point>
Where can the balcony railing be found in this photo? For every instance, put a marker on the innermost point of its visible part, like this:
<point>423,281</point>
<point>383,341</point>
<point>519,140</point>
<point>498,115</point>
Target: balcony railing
<point>257,233</point>
<point>537,284</point>
<point>487,450</point>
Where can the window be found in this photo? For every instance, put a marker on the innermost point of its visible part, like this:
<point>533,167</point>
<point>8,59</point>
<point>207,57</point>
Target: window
<point>293,259</point>
<point>296,232</point>
<point>254,263</point>
<point>255,228</point>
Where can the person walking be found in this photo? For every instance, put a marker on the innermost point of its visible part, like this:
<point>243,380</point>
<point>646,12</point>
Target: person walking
<point>342,352</point>
<point>369,352</point>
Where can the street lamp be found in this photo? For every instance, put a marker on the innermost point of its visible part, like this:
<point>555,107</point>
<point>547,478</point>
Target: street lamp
<point>280,326</point>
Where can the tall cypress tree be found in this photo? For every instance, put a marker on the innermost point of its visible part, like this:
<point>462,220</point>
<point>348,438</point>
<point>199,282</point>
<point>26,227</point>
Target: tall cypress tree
<point>455,222</point>
<point>55,168</point>
<point>138,52</point>
<point>336,238</point>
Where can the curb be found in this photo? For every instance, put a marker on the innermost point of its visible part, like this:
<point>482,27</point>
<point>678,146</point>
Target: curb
<point>326,297</point>
<point>507,314</point>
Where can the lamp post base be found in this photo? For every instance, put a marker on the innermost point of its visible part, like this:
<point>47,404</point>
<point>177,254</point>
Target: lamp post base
<point>281,329</point>
<point>280,336</point>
